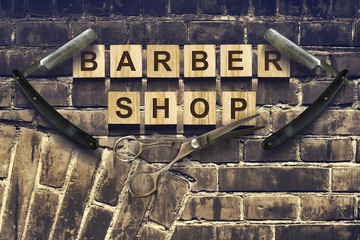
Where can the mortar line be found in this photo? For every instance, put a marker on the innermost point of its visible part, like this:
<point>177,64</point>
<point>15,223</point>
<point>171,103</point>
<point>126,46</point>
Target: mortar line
<point>44,141</point>
<point>72,163</point>
<point>91,198</point>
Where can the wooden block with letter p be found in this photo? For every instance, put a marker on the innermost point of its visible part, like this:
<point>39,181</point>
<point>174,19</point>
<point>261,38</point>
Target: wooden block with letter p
<point>160,108</point>
<point>236,60</point>
<point>126,61</point>
<point>163,61</point>
<point>90,62</point>
<point>237,105</point>
<point>199,61</point>
<point>199,108</point>
<point>124,107</point>
<point>272,62</point>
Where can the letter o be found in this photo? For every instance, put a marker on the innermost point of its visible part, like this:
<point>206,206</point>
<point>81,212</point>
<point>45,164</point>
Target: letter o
<point>192,108</point>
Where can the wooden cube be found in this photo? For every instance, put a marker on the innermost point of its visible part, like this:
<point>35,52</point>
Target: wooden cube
<point>272,62</point>
<point>126,61</point>
<point>124,107</point>
<point>236,60</point>
<point>237,105</point>
<point>199,108</point>
<point>160,108</point>
<point>199,61</point>
<point>90,62</point>
<point>163,61</point>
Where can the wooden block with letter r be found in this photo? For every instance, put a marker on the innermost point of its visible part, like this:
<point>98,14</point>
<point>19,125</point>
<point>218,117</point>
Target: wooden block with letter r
<point>163,61</point>
<point>272,62</point>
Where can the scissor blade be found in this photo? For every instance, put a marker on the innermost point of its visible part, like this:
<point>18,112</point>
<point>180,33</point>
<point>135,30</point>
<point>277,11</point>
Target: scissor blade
<point>217,133</point>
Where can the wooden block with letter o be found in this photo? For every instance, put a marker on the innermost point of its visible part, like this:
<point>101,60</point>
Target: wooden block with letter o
<point>163,61</point>
<point>236,60</point>
<point>199,108</point>
<point>126,61</point>
<point>199,61</point>
<point>237,105</point>
<point>272,62</point>
<point>160,108</point>
<point>124,107</point>
<point>90,62</point>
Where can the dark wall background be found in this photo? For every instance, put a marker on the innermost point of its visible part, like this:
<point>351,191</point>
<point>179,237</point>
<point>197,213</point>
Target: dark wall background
<point>306,189</point>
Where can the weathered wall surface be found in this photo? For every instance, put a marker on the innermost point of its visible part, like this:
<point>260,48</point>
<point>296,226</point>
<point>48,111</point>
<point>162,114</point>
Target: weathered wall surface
<point>306,189</point>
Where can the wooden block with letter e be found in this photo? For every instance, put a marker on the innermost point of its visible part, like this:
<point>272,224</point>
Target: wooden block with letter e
<point>272,62</point>
<point>90,62</point>
<point>161,108</point>
<point>236,60</point>
<point>199,61</point>
<point>124,107</point>
<point>163,61</point>
<point>199,108</point>
<point>237,105</point>
<point>126,61</point>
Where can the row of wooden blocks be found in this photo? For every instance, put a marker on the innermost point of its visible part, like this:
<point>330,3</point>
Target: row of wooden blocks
<point>161,108</point>
<point>163,61</point>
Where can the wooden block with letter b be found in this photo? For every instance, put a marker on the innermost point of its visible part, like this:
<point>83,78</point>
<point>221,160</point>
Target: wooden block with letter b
<point>90,62</point>
<point>199,108</point>
<point>199,61</point>
<point>237,105</point>
<point>161,108</point>
<point>163,61</point>
<point>126,61</point>
<point>124,107</point>
<point>272,62</point>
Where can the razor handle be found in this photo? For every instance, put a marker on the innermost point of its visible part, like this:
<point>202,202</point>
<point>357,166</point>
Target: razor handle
<point>306,117</point>
<point>53,116</point>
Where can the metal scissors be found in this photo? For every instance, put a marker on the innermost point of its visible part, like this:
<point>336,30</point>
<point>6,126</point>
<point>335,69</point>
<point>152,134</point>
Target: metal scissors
<point>129,148</point>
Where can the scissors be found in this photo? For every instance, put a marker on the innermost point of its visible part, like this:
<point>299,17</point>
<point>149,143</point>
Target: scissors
<point>130,148</point>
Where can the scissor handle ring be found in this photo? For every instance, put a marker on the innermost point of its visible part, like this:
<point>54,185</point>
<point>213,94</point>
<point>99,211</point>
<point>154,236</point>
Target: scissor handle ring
<point>130,158</point>
<point>154,176</point>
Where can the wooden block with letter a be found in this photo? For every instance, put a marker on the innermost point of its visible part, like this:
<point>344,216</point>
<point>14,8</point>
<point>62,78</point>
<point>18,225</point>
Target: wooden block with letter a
<point>272,62</point>
<point>163,61</point>
<point>90,62</point>
<point>126,61</point>
<point>124,107</point>
<point>236,60</point>
<point>199,61</point>
<point>237,105</point>
<point>199,108</point>
<point>160,108</point>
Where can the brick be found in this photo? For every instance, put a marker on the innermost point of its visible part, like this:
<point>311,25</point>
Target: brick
<point>264,8</point>
<point>244,232</point>
<point>318,8</point>
<point>86,93</point>
<point>22,183</point>
<point>98,8</point>
<point>212,208</point>
<point>344,8</point>
<point>331,232</point>
<point>325,150</point>
<point>325,208</point>
<point>97,223</point>
<point>155,8</point>
<point>42,215</point>
<point>255,153</point>
<point>169,197</point>
<point>41,33</point>
<point>92,122</point>
<point>41,9</point>
<point>292,7</point>
<point>193,232</point>
<point>57,154</point>
<point>5,33</point>
<point>7,136</point>
<point>18,10</point>
<point>273,179</point>
<point>356,35</point>
<point>152,233</point>
<point>6,8</point>
<point>183,6</point>
<point>311,91</point>
<point>346,61</point>
<point>158,33</point>
<point>54,93</point>
<point>66,7</point>
<point>330,122</point>
<point>108,32</point>
<point>346,179</point>
<point>237,7</point>
<point>112,181</point>
<point>17,115</point>
<point>255,31</point>
<point>127,7</point>
<point>216,33</point>
<point>5,96</point>
<point>205,178</point>
<point>210,6</point>
<point>269,89</point>
<point>76,194</point>
<point>270,208</point>
<point>321,34</point>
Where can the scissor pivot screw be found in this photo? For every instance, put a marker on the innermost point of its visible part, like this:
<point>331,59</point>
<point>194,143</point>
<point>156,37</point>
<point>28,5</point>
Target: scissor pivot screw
<point>195,143</point>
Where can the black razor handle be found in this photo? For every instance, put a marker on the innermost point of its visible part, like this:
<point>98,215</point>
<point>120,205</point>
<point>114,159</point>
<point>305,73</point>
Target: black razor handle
<point>53,116</point>
<point>306,117</point>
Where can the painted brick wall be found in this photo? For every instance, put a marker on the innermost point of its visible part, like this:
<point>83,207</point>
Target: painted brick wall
<point>306,189</point>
